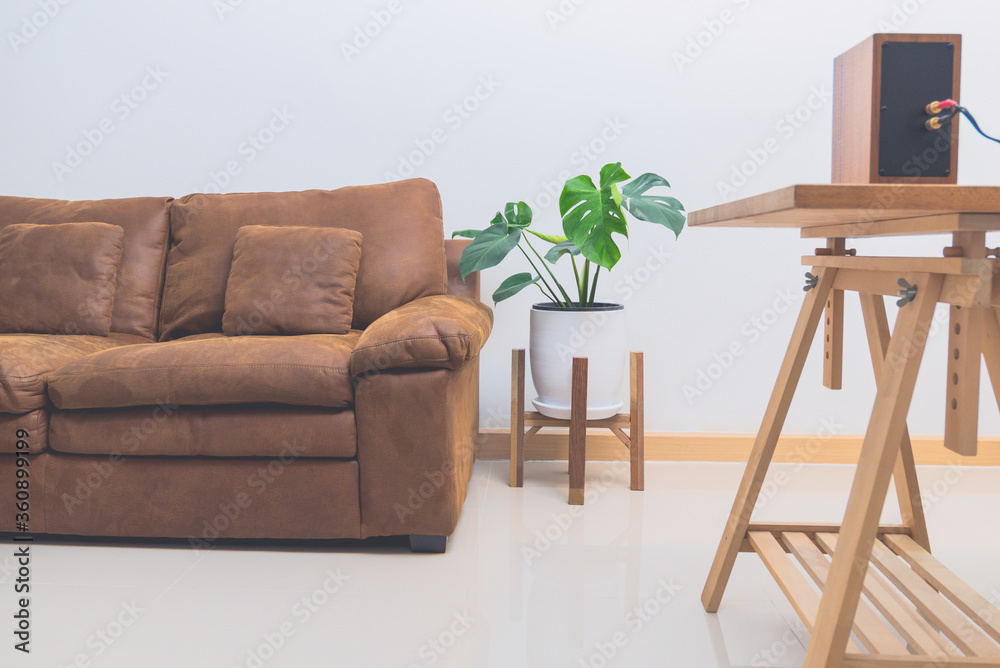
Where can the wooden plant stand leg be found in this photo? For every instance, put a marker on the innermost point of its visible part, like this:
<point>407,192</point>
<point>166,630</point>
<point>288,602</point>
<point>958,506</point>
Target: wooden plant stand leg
<point>637,455</point>
<point>517,418</point>
<point>767,438</point>
<point>842,591</point>
<point>578,432</point>
<point>911,508</point>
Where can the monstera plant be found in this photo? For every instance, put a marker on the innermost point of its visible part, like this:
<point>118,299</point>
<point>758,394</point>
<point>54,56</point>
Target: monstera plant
<point>592,216</point>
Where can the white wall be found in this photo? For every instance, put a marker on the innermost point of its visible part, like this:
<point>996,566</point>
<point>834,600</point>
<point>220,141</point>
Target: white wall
<point>609,68</point>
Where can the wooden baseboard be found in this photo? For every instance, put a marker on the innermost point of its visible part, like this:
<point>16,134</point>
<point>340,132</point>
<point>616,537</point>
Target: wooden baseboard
<point>551,444</point>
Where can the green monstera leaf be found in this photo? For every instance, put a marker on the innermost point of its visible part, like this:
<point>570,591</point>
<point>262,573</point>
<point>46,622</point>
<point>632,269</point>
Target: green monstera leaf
<point>514,215</point>
<point>488,248</point>
<point>591,214</point>
<point>561,249</point>
<point>513,285</point>
<point>666,211</point>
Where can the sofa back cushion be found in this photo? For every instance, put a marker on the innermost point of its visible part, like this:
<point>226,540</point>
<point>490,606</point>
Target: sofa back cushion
<point>59,279</point>
<point>402,255</point>
<point>292,280</point>
<point>140,276</point>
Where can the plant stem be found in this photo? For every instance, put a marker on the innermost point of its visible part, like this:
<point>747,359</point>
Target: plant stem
<point>579,286</point>
<point>569,302</point>
<point>551,238</point>
<point>528,258</point>
<point>585,283</point>
<point>593,285</point>
<point>544,293</point>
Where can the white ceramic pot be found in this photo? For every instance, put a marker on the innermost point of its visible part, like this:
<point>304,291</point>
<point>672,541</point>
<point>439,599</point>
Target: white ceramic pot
<point>598,333</point>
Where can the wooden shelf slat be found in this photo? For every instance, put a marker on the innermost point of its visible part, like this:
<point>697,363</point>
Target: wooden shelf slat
<point>534,419</point>
<point>898,611</point>
<point>870,630</point>
<point>869,661</point>
<point>798,591</point>
<point>961,630</point>
<point>824,527</point>
<point>965,598</point>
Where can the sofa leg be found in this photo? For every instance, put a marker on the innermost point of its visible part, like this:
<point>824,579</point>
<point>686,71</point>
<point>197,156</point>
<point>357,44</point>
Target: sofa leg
<point>427,544</point>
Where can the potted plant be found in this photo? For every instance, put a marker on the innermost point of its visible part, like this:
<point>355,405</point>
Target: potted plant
<point>570,322</point>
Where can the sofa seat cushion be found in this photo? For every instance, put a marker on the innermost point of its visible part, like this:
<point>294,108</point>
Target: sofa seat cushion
<point>27,360</point>
<point>31,428</point>
<point>211,370</point>
<point>245,430</point>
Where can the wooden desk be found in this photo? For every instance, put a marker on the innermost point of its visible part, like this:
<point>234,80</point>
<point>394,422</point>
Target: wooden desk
<point>908,594</point>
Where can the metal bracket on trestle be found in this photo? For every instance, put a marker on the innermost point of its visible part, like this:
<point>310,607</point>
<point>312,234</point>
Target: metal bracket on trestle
<point>907,294</point>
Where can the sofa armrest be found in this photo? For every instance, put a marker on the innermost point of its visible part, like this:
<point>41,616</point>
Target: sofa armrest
<point>441,331</point>
<point>468,286</point>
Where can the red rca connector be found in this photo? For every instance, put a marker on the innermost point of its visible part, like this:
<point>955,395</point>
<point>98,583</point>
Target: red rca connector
<point>936,107</point>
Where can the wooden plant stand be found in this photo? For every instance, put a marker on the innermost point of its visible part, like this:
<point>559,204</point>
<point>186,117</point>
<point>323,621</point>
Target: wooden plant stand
<point>578,425</point>
<point>871,594</point>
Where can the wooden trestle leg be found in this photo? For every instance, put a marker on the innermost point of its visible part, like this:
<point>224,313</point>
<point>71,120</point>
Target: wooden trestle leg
<point>879,452</point>
<point>767,438</point>
<point>911,508</point>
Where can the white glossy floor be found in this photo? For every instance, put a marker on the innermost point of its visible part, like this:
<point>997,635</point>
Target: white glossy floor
<point>524,582</point>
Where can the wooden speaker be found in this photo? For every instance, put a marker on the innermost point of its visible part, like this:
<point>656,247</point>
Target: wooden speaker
<point>880,90</point>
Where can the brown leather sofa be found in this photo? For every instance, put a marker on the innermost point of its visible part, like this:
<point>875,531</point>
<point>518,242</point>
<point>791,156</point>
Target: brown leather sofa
<point>169,428</point>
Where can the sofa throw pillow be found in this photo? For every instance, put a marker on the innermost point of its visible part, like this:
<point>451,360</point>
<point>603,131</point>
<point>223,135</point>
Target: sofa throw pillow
<point>292,280</point>
<point>59,278</point>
